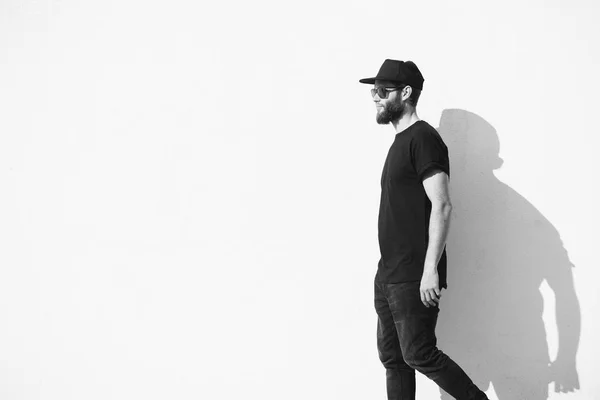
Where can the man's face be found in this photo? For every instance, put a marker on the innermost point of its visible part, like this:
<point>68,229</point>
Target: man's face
<point>390,108</point>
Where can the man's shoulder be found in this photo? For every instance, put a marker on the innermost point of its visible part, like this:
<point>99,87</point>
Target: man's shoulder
<point>424,126</point>
<point>424,131</point>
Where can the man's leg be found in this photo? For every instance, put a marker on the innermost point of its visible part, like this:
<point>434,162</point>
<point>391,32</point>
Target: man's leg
<point>400,378</point>
<point>415,324</point>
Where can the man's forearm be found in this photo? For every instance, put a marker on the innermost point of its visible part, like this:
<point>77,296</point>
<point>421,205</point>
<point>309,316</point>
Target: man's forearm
<point>439,225</point>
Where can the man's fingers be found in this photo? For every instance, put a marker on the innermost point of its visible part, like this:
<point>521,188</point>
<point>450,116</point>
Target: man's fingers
<point>424,299</point>
<point>431,297</point>
<point>428,298</point>
<point>432,303</point>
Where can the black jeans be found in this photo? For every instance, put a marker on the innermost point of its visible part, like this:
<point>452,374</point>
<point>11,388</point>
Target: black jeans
<point>406,342</point>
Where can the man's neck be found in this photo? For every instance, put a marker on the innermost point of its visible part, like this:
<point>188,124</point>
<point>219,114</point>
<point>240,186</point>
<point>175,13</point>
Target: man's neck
<point>405,121</point>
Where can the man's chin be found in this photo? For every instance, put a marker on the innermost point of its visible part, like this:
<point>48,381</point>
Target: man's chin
<point>382,120</point>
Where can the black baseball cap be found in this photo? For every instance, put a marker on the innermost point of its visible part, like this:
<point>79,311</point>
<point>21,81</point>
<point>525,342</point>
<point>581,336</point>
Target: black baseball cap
<point>398,71</point>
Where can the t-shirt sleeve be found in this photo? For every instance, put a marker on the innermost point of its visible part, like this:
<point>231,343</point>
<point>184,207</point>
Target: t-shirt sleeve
<point>429,151</point>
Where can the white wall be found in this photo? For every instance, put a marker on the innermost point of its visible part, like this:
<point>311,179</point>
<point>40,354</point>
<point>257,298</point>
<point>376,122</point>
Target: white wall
<point>190,194</point>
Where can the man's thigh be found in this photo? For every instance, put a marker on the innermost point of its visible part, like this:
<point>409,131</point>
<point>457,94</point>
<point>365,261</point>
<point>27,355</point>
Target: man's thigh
<point>414,322</point>
<point>388,345</point>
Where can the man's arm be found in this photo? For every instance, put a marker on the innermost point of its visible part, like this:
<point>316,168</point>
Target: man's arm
<point>435,183</point>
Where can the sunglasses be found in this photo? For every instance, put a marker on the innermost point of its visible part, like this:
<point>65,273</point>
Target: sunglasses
<point>382,92</point>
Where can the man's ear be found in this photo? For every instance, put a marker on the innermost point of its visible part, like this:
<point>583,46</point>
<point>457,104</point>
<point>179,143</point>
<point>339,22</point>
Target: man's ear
<point>406,92</point>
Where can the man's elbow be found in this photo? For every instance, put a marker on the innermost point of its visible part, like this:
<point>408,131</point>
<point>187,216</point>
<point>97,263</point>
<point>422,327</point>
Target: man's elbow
<point>443,207</point>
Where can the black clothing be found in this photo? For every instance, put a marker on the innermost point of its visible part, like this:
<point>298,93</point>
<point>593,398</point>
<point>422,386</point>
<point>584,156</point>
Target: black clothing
<point>406,338</point>
<point>404,208</point>
<point>406,342</point>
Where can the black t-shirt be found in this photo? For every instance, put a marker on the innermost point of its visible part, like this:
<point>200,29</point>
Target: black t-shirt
<point>405,209</point>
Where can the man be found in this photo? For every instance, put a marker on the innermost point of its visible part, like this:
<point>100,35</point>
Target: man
<point>414,216</point>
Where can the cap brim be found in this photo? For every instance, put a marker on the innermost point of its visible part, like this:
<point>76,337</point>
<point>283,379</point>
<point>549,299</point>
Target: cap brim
<point>367,80</point>
<point>371,81</point>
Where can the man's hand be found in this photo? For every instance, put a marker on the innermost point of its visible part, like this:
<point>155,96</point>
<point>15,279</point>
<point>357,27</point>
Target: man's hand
<point>430,289</point>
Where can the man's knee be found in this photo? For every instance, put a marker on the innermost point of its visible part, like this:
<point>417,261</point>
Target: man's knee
<point>425,359</point>
<point>393,360</point>
<point>388,359</point>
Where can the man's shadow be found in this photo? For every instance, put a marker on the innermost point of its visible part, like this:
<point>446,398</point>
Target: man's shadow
<point>500,250</point>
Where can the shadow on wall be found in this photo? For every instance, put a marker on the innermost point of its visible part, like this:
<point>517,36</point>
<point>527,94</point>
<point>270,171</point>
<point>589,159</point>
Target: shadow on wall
<point>500,250</point>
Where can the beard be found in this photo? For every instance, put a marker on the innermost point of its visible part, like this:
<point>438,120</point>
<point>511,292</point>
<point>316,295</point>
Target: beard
<point>391,111</point>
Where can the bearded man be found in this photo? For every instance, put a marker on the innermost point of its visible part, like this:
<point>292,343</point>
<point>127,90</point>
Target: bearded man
<point>413,223</point>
